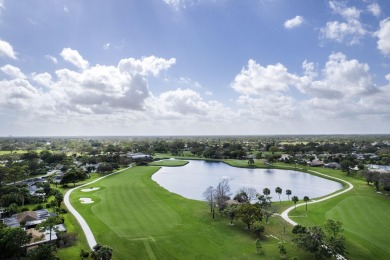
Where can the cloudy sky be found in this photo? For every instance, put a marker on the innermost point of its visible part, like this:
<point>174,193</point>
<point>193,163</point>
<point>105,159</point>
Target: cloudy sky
<point>194,67</point>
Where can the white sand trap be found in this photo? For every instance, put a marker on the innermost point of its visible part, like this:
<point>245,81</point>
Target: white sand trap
<point>86,200</point>
<point>90,189</point>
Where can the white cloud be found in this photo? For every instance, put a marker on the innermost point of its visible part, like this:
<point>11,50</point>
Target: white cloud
<point>13,72</point>
<point>349,13</point>
<point>177,4</point>
<point>341,78</point>
<point>108,89</point>
<point>351,30</point>
<point>6,50</point>
<point>66,9</point>
<point>146,65</point>
<point>188,105</point>
<point>269,106</point>
<point>375,9</point>
<point>75,58</point>
<point>52,59</point>
<point>294,22</point>
<point>117,99</point>
<point>187,82</point>
<point>106,46</point>
<point>334,93</point>
<point>18,94</point>
<point>180,102</point>
<point>256,79</point>
<point>43,79</point>
<point>2,6</point>
<point>383,35</point>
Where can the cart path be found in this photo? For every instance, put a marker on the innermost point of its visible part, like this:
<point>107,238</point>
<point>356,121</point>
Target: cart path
<point>284,215</point>
<point>86,229</point>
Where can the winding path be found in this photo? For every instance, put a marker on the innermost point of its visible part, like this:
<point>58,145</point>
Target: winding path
<point>284,215</point>
<point>86,229</point>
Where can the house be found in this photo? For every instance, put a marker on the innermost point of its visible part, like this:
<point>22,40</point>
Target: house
<point>316,163</point>
<point>30,218</point>
<point>332,165</point>
<point>136,157</point>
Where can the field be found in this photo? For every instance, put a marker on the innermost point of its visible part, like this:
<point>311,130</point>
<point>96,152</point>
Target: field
<point>365,215</point>
<point>141,220</point>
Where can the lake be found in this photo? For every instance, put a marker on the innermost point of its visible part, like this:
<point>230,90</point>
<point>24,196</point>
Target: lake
<point>191,180</point>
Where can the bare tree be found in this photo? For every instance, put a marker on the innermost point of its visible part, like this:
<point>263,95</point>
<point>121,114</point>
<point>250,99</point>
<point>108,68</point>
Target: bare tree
<point>208,196</point>
<point>222,194</point>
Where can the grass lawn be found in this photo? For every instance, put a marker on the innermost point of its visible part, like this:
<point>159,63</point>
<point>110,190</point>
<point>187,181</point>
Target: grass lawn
<point>2,152</point>
<point>365,215</point>
<point>168,163</point>
<point>140,220</point>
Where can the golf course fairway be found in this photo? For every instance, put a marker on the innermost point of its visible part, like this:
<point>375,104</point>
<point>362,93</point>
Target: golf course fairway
<point>141,220</point>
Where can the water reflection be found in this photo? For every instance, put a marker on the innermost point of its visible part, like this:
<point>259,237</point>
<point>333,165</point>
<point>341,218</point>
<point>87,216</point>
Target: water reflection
<point>191,180</point>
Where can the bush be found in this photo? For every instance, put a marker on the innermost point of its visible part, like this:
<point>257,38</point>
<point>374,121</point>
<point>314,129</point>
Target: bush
<point>66,239</point>
<point>48,205</point>
<point>63,211</point>
<point>38,207</point>
<point>84,254</point>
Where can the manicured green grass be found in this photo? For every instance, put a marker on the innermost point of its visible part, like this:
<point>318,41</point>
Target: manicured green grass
<point>2,152</point>
<point>365,215</point>
<point>73,252</point>
<point>141,220</point>
<point>168,163</point>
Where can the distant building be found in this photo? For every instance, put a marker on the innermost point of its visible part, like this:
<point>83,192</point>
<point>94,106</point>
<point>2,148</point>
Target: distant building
<point>332,165</point>
<point>137,157</point>
<point>316,163</point>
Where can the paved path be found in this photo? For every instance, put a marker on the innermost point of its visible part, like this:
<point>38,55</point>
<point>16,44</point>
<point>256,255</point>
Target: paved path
<point>86,229</point>
<point>284,215</point>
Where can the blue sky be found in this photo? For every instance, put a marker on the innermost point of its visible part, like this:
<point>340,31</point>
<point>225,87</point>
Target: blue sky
<point>186,67</point>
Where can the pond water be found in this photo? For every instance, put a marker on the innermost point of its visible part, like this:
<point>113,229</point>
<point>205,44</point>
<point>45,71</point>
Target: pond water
<point>191,180</point>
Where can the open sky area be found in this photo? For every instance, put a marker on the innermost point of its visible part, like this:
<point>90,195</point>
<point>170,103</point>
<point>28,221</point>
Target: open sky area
<point>194,67</point>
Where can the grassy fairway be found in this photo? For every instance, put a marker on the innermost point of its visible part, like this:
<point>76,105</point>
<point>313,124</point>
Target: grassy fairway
<point>365,215</point>
<point>141,220</point>
<point>169,163</point>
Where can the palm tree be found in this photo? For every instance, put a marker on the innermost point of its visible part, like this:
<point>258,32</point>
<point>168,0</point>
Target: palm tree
<point>22,194</point>
<point>288,193</point>
<point>295,200</point>
<point>278,190</point>
<point>306,199</point>
<point>266,191</point>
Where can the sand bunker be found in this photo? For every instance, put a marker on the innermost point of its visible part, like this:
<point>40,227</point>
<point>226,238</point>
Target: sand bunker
<point>90,189</point>
<point>86,200</point>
